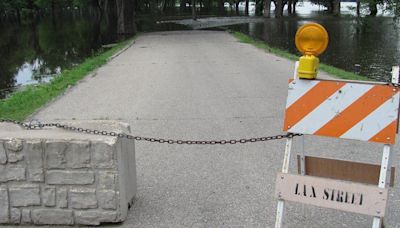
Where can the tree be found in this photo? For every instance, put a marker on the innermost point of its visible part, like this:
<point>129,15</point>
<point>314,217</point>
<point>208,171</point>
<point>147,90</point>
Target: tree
<point>125,17</point>
<point>267,8</point>
<point>194,15</point>
<point>333,6</point>
<point>279,8</point>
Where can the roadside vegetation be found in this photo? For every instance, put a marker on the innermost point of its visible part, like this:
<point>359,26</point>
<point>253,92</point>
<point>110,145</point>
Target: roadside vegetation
<point>30,98</point>
<point>339,73</point>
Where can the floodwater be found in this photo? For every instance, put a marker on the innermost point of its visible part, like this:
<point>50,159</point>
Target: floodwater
<point>366,46</point>
<point>35,52</point>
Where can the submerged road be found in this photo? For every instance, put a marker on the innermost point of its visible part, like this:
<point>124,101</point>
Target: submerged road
<point>207,85</point>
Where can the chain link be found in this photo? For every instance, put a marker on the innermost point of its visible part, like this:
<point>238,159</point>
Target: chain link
<point>39,125</point>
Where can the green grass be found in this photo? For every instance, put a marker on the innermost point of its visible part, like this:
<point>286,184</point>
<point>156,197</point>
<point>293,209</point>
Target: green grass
<point>339,73</point>
<point>25,102</point>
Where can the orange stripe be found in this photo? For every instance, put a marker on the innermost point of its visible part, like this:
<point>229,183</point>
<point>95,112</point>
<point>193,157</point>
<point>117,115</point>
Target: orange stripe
<point>309,101</point>
<point>356,112</point>
<point>387,135</point>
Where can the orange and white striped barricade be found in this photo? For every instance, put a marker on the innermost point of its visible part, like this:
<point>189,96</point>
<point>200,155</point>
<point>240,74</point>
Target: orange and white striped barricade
<point>365,111</point>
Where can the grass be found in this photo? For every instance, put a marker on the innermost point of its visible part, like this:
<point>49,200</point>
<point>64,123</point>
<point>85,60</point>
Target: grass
<point>25,102</point>
<point>339,73</point>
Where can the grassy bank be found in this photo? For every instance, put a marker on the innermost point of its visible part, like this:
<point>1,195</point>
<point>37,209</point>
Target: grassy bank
<point>339,73</point>
<point>23,103</point>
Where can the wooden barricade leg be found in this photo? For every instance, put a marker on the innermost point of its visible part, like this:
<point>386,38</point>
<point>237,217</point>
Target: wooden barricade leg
<point>285,169</point>
<point>385,164</point>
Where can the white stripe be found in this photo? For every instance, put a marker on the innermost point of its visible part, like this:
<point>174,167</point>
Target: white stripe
<point>297,88</point>
<point>375,122</point>
<point>331,107</point>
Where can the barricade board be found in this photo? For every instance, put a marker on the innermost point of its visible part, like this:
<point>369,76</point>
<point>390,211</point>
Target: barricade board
<point>366,112</point>
<point>340,195</point>
<point>343,170</point>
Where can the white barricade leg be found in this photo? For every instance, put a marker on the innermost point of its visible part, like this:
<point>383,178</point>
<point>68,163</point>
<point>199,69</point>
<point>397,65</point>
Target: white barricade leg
<point>285,169</point>
<point>385,164</point>
<point>302,156</point>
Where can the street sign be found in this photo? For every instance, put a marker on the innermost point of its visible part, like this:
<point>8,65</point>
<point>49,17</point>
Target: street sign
<point>340,195</point>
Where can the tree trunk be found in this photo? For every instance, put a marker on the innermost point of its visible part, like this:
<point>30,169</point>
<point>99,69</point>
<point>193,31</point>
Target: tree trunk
<point>18,15</point>
<point>221,7</point>
<point>279,9</point>
<point>237,8</point>
<point>289,6</point>
<point>259,7</point>
<point>372,8</point>
<point>125,15</point>
<point>53,8</point>
<point>246,10</point>
<point>194,15</point>
<point>336,7</point>
<point>358,8</point>
<point>207,5</point>
<point>182,5</point>
<point>267,8</point>
<point>31,8</point>
<point>294,6</point>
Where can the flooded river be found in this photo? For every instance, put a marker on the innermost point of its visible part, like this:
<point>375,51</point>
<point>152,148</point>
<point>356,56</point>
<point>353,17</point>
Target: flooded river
<point>35,52</point>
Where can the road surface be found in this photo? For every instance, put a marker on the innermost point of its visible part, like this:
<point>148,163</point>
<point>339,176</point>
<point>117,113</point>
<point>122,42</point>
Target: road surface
<point>207,85</point>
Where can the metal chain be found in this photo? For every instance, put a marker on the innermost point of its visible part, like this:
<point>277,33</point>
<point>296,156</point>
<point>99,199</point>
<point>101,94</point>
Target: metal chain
<point>39,125</point>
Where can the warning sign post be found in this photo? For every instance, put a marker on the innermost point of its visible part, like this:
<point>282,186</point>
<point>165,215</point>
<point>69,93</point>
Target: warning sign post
<point>366,111</point>
<point>363,111</point>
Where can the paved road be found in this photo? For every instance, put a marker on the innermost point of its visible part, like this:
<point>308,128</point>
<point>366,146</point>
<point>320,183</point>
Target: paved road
<point>207,85</point>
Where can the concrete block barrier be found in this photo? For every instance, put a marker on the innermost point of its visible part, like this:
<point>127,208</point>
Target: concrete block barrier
<point>55,177</point>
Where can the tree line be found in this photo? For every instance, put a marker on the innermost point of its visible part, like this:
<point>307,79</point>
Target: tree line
<point>125,10</point>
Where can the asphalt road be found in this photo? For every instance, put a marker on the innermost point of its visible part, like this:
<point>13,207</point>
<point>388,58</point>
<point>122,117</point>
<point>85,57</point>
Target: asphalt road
<point>207,85</point>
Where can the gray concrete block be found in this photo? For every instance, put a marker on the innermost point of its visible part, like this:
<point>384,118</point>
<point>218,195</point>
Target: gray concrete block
<point>52,217</point>
<point>11,173</point>
<point>14,148</point>
<point>26,216</point>
<point>102,155</point>
<point>4,206</point>
<point>82,198</point>
<point>3,154</point>
<point>62,197</point>
<point>55,153</point>
<point>62,170</point>
<point>14,145</point>
<point>78,154</point>
<point>107,199</point>
<point>49,196</point>
<point>62,154</point>
<point>63,177</point>
<point>33,151</point>
<point>15,215</point>
<point>106,180</point>
<point>95,217</point>
<point>24,195</point>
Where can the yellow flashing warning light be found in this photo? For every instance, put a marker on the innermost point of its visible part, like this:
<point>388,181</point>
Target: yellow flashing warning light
<point>311,40</point>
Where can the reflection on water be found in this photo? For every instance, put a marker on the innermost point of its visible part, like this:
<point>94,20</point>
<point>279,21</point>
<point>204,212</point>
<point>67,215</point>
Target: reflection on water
<point>367,46</point>
<point>36,52</point>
